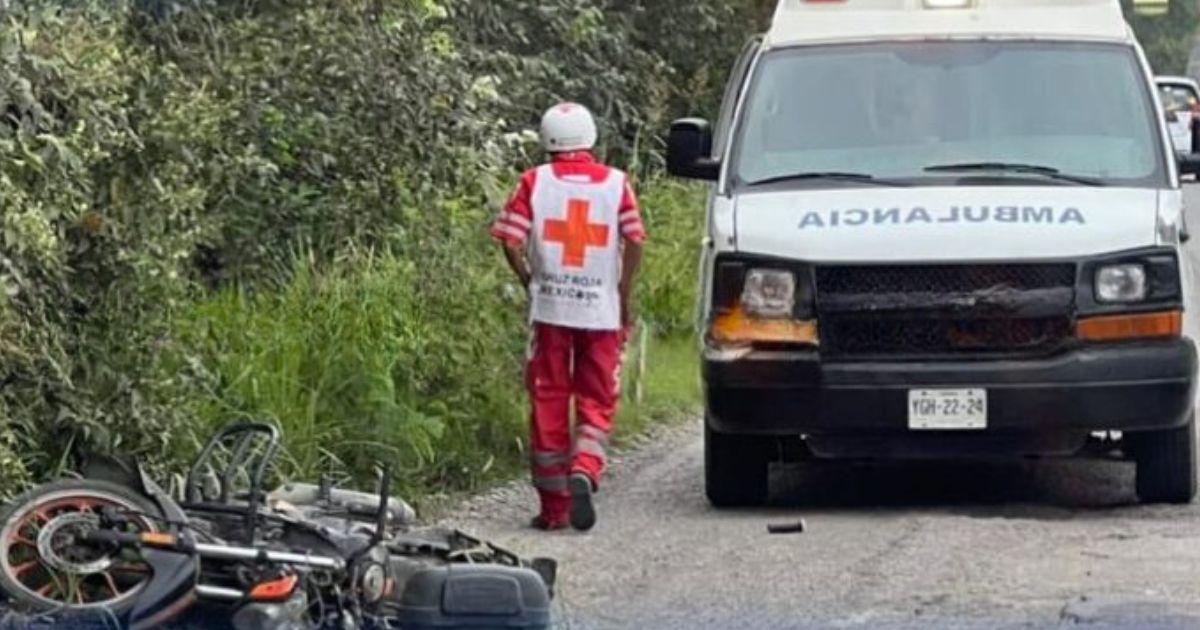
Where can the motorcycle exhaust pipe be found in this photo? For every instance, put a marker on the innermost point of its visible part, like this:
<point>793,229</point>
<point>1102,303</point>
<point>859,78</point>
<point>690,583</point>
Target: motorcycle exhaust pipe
<point>225,552</point>
<point>219,593</point>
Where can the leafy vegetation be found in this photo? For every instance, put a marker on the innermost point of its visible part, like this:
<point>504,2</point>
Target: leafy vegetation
<point>215,210</point>
<point>355,370</point>
<point>1169,38</point>
<point>277,209</point>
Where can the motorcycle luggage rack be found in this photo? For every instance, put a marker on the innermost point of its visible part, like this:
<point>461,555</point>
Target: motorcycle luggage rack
<point>241,437</point>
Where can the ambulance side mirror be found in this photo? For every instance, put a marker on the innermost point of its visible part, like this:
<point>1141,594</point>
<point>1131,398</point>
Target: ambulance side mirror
<point>689,150</point>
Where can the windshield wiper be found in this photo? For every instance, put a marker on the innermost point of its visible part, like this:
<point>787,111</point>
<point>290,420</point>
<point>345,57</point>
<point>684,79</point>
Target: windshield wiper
<point>864,178</point>
<point>1023,169</point>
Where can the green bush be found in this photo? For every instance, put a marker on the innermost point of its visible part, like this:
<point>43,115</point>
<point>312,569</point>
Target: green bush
<point>355,368</point>
<point>357,364</point>
<point>89,265</point>
<point>161,164</point>
<point>674,217</point>
<point>1167,39</point>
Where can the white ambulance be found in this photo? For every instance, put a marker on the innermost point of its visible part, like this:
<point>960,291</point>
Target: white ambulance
<point>943,229</point>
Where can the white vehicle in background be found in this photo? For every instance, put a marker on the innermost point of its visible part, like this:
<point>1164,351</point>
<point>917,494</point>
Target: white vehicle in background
<point>919,244</point>
<point>1180,98</point>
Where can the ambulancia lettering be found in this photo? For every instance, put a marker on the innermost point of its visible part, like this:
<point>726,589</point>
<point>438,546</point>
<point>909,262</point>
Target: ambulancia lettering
<point>854,217</point>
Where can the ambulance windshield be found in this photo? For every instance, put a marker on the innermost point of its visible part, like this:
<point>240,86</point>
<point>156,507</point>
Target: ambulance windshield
<point>891,110</point>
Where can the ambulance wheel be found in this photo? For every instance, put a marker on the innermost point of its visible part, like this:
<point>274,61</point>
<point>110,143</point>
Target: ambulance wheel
<point>736,468</point>
<point>1166,464</point>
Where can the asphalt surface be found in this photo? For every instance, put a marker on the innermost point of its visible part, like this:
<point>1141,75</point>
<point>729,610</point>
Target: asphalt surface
<point>1021,545</point>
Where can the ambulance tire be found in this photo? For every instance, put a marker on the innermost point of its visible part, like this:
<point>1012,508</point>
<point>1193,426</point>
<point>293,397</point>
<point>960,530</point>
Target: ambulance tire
<point>736,468</point>
<point>1166,464</point>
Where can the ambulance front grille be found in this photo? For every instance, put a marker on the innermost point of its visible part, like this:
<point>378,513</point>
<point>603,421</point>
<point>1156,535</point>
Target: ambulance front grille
<point>941,278</point>
<point>918,311</point>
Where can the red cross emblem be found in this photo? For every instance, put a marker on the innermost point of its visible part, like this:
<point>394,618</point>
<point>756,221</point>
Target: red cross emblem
<point>576,234</point>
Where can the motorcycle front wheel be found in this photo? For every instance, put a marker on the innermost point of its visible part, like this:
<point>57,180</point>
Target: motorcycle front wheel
<point>44,564</point>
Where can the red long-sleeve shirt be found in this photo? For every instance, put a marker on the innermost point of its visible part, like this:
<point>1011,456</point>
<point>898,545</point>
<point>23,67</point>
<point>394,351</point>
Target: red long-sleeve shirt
<point>515,221</point>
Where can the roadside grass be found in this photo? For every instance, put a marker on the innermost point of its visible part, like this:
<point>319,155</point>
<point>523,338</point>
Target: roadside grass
<point>355,371</point>
<point>374,357</point>
<point>670,386</point>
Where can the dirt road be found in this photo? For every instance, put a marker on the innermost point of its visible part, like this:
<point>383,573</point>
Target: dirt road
<point>899,546</point>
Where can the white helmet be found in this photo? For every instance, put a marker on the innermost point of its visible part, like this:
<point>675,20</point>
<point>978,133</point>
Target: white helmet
<point>568,127</point>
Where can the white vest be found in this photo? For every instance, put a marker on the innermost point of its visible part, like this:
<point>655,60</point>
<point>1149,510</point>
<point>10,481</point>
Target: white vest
<point>576,251</point>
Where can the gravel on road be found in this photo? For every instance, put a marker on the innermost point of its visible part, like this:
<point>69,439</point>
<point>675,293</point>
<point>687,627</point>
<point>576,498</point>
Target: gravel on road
<point>1047,544</point>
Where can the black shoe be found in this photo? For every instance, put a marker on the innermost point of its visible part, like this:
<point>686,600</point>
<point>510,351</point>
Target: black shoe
<point>583,513</point>
<point>546,524</point>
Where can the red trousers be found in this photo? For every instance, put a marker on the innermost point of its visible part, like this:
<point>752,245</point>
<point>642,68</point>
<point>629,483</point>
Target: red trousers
<point>566,363</point>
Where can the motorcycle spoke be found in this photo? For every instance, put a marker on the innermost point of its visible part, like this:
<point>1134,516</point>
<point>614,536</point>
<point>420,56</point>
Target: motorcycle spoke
<point>58,585</point>
<point>20,569</point>
<point>46,589</point>
<point>19,539</point>
<point>112,584</point>
<point>72,593</point>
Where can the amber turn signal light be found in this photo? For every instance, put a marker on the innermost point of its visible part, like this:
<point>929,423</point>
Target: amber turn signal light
<point>158,539</point>
<point>1124,327</point>
<point>274,590</point>
<point>734,326</point>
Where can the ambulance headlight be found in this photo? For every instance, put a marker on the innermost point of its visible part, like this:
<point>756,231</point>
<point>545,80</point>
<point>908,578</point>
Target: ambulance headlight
<point>1121,283</point>
<point>769,293</point>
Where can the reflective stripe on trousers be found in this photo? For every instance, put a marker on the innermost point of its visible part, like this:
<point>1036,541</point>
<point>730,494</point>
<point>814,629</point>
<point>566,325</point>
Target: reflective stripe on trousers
<point>550,483</point>
<point>591,441</point>
<point>548,459</point>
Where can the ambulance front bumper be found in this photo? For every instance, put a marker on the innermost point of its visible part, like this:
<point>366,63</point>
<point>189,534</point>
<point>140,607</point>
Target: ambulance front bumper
<point>1135,386</point>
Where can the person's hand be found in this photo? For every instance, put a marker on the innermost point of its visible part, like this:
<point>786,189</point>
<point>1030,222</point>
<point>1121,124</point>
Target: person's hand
<point>516,261</point>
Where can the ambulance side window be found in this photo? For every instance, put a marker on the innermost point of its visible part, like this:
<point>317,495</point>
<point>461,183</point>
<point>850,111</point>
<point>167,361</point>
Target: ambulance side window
<point>733,89</point>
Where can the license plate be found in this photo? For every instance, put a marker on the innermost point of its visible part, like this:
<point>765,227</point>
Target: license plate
<point>947,409</point>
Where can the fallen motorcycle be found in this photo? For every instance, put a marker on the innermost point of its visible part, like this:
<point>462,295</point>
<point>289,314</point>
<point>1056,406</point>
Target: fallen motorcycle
<point>114,545</point>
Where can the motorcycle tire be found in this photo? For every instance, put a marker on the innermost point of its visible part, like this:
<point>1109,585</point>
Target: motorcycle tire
<point>28,525</point>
